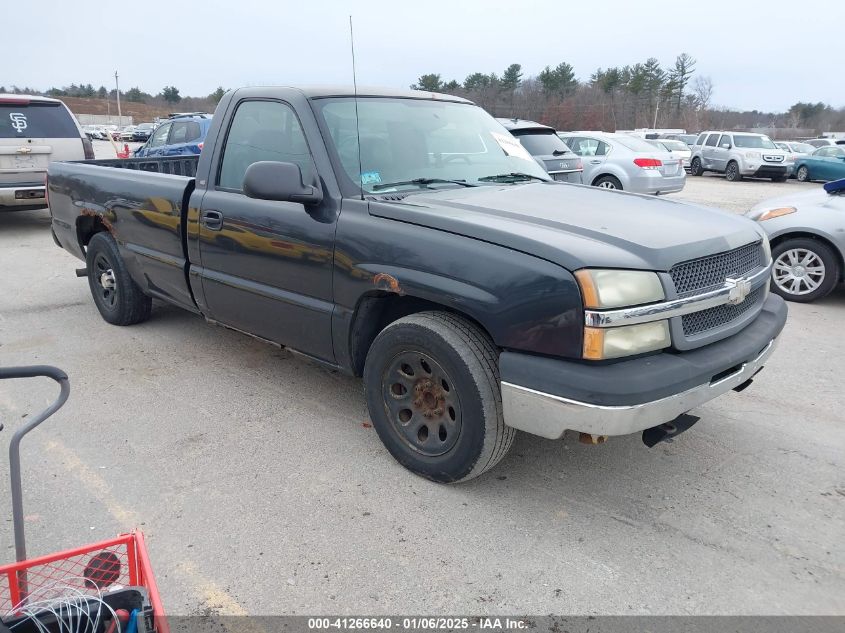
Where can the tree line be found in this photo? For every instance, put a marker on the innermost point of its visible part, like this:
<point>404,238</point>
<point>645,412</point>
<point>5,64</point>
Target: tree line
<point>641,95</point>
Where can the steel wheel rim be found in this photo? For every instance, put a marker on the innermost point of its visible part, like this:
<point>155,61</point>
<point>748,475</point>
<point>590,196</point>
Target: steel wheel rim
<point>106,286</point>
<point>606,184</point>
<point>798,271</point>
<point>422,403</point>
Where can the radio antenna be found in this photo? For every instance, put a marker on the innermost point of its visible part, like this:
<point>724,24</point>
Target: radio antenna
<point>357,125</point>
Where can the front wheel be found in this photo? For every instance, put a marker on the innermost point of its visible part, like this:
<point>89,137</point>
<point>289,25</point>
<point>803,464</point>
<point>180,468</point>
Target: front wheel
<point>432,386</point>
<point>732,172</point>
<point>803,174</point>
<point>803,270</point>
<point>117,297</point>
<point>695,167</point>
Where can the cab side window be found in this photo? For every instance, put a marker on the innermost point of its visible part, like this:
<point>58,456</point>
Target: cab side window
<point>725,140</point>
<point>262,130</point>
<point>159,137</point>
<point>712,140</point>
<point>185,132</point>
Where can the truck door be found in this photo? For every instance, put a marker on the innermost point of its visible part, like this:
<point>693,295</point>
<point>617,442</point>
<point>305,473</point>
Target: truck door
<point>708,155</point>
<point>721,153</point>
<point>266,266</point>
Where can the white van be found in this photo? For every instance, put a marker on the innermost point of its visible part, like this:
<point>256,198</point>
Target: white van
<point>33,132</point>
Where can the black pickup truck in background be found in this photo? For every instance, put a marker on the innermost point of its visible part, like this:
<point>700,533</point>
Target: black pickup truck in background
<point>409,239</point>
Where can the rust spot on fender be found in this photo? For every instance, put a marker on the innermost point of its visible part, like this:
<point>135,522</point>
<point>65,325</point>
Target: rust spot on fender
<point>383,281</point>
<point>103,217</point>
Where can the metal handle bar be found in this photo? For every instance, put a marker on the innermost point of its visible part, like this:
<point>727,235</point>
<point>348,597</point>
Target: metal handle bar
<point>14,445</point>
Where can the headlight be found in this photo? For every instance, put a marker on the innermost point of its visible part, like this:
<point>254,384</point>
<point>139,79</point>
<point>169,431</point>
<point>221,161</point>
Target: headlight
<point>618,288</point>
<point>775,213</point>
<point>604,343</point>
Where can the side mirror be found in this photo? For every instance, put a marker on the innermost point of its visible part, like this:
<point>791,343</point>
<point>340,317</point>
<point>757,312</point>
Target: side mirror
<point>273,180</point>
<point>726,146</point>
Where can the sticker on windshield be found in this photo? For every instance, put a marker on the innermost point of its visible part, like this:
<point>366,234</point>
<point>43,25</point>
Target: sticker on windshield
<point>511,146</point>
<point>18,121</point>
<point>370,178</point>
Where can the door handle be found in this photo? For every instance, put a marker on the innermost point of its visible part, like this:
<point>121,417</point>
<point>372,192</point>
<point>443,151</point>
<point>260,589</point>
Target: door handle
<point>595,162</point>
<point>212,220</point>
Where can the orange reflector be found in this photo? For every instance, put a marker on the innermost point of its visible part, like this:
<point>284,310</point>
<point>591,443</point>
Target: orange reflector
<point>593,343</point>
<point>588,289</point>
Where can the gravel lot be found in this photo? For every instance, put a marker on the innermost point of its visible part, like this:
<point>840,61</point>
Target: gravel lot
<point>263,490</point>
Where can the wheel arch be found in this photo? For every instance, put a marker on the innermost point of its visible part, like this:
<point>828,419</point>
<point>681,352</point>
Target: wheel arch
<point>378,309</point>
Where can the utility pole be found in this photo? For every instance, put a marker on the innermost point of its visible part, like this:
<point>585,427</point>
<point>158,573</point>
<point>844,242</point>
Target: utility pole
<point>117,88</point>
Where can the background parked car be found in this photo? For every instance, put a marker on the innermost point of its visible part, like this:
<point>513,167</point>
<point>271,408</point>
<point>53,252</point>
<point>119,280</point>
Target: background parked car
<point>142,132</point>
<point>796,150</point>
<point>179,135</point>
<point>807,235</point>
<point>676,147</point>
<point>824,142</point>
<point>33,132</point>
<point>826,163</point>
<point>619,161</point>
<point>127,133</point>
<point>738,155</point>
<point>687,139</point>
<point>547,148</point>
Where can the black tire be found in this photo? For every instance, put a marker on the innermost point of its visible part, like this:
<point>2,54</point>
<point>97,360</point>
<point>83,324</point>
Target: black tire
<point>779,178</point>
<point>123,303</point>
<point>695,168</point>
<point>803,174</point>
<point>826,281</point>
<point>439,372</point>
<point>608,182</point>
<point>732,172</point>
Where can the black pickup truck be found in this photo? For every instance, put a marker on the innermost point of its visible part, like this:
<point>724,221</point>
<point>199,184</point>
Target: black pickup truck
<point>406,237</point>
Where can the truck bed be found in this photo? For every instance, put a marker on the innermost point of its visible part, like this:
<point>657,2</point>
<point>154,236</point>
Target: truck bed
<point>141,202</point>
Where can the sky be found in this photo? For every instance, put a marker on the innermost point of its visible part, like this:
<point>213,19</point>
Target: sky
<point>759,55</point>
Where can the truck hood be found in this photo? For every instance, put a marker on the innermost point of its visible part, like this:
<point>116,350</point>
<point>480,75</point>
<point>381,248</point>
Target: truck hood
<point>576,226</point>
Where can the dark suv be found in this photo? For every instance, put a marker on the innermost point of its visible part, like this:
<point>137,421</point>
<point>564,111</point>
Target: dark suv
<point>543,143</point>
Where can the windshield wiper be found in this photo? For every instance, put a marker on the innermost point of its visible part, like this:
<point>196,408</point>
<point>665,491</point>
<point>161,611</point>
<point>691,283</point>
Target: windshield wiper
<point>421,182</point>
<point>558,152</point>
<point>514,175</point>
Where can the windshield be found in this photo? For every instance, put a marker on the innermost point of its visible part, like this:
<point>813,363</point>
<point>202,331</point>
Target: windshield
<point>803,148</point>
<point>753,142</point>
<point>541,142</point>
<point>36,120</point>
<point>408,139</point>
<point>689,139</point>
<point>146,126</point>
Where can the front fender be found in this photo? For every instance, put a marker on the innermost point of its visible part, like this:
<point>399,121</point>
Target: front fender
<point>523,302</point>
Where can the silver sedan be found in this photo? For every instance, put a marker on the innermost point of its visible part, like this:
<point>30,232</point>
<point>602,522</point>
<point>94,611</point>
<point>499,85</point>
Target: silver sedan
<point>628,163</point>
<point>807,234</point>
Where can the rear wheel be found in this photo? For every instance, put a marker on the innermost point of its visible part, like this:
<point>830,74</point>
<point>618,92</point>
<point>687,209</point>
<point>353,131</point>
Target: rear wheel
<point>732,172</point>
<point>803,269</point>
<point>695,167</point>
<point>117,297</point>
<point>432,386</point>
<point>608,182</point>
<point>803,174</point>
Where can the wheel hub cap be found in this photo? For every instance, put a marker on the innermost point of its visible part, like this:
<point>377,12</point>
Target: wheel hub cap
<point>422,403</point>
<point>798,271</point>
<point>107,280</point>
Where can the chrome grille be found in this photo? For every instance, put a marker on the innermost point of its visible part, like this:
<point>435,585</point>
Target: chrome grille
<point>707,273</point>
<point>712,318</point>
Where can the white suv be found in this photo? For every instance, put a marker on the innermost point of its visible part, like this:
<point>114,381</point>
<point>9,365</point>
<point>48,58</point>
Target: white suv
<point>738,154</point>
<point>33,132</point>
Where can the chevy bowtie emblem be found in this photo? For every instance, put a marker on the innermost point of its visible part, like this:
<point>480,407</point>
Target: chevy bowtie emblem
<point>24,150</point>
<point>738,289</point>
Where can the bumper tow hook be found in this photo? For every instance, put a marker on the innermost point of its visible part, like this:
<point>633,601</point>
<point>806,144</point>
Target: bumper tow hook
<point>667,431</point>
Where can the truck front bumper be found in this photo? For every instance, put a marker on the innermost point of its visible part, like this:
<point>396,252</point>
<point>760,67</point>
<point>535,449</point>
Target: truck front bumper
<point>547,397</point>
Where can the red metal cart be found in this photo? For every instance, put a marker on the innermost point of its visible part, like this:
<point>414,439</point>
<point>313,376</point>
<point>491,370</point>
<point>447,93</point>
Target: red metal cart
<point>103,569</point>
